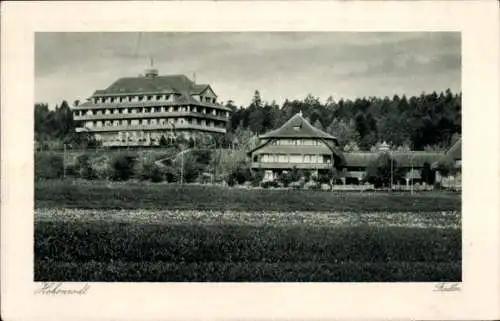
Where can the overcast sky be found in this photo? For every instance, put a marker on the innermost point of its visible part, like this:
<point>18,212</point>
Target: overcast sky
<point>280,65</point>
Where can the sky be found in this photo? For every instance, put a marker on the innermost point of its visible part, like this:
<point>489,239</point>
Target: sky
<point>291,65</point>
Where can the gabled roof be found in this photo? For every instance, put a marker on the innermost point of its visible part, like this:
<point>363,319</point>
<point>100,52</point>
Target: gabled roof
<point>153,84</point>
<point>298,127</point>
<point>200,89</point>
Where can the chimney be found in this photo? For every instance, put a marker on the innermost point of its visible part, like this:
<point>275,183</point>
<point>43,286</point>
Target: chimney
<point>151,72</point>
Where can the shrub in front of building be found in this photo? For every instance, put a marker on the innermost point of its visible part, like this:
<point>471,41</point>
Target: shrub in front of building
<point>285,178</point>
<point>83,167</point>
<point>101,167</point>
<point>270,184</point>
<point>146,169</point>
<point>122,167</point>
<point>48,166</point>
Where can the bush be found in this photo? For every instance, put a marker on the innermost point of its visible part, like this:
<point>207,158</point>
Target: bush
<point>241,174</point>
<point>285,178</point>
<point>231,181</point>
<point>48,166</point>
<point>122,167</point>
<point>101,167</point>
<point>157,174</point>
<point>269,184</point>
<point>146,169</point>
<point>83,167</point>
<point>307,175</point>
<point>257,177</point>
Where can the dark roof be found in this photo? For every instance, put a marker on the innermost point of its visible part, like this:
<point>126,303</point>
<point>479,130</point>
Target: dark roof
<point>405,159</point>
<point>153,84</point>
<point>282,149</point>
<point>298,127</point>
<point>198,89</point>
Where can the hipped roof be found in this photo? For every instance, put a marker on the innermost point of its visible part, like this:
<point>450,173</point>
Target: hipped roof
<point>153,84</point>
<point>298,127</point>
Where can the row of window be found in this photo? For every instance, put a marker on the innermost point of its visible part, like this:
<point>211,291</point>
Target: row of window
<point>136,122</point>
<point>303,142</point>
<point>294,158</point>
<point>139,98</point>
<point>148,110</point>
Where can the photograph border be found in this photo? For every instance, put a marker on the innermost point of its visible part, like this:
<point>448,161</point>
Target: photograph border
<point>477,296</point>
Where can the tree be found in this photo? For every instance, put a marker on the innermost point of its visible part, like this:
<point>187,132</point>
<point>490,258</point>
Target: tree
<point>428,175</point>
<point>380,171</point>
<point>163,141</point>
<point>344,131</point>
<point>446,166</point>
<point>318,125</point>
<point>256,100</point>
<point>122,166</point>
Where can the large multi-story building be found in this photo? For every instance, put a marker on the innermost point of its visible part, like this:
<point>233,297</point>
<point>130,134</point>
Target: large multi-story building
<point>140,110</point>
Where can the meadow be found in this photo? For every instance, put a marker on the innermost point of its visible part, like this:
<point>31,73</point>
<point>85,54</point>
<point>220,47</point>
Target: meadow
<point>140,232</point>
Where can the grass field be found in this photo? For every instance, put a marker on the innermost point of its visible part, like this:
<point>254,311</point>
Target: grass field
<point>139,195</point>
<point>146,232</point>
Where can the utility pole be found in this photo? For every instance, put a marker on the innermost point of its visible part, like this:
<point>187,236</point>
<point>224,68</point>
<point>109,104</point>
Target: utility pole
<point>64,161</point>
<point>182,167</point>
<point>411,175</point>
<point>392,175</point>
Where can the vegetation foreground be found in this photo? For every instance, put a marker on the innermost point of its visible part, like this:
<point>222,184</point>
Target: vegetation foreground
<point>143,195</point>
<point>145,232</point>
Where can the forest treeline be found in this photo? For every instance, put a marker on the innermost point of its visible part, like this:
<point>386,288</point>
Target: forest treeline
<point>430,121</point>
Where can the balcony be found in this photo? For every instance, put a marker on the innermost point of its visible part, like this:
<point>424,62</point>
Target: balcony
<point>290,165</point>
<point>142,115</point>
<point>140,104</point>
<point>166,127</point>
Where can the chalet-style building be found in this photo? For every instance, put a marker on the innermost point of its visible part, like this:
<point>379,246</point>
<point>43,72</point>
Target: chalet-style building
<point>298,144</point>
<point>453,153</point>
<point>295,144</point>
<point>140,110</point>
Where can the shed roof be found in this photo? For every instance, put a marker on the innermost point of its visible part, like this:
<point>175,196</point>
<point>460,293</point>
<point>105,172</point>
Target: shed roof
<point>455,150</point>
<point>405,159</point>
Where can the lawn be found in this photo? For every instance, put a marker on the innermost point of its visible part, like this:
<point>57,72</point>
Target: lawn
<point>153,233</point>
<point>143,195</point>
